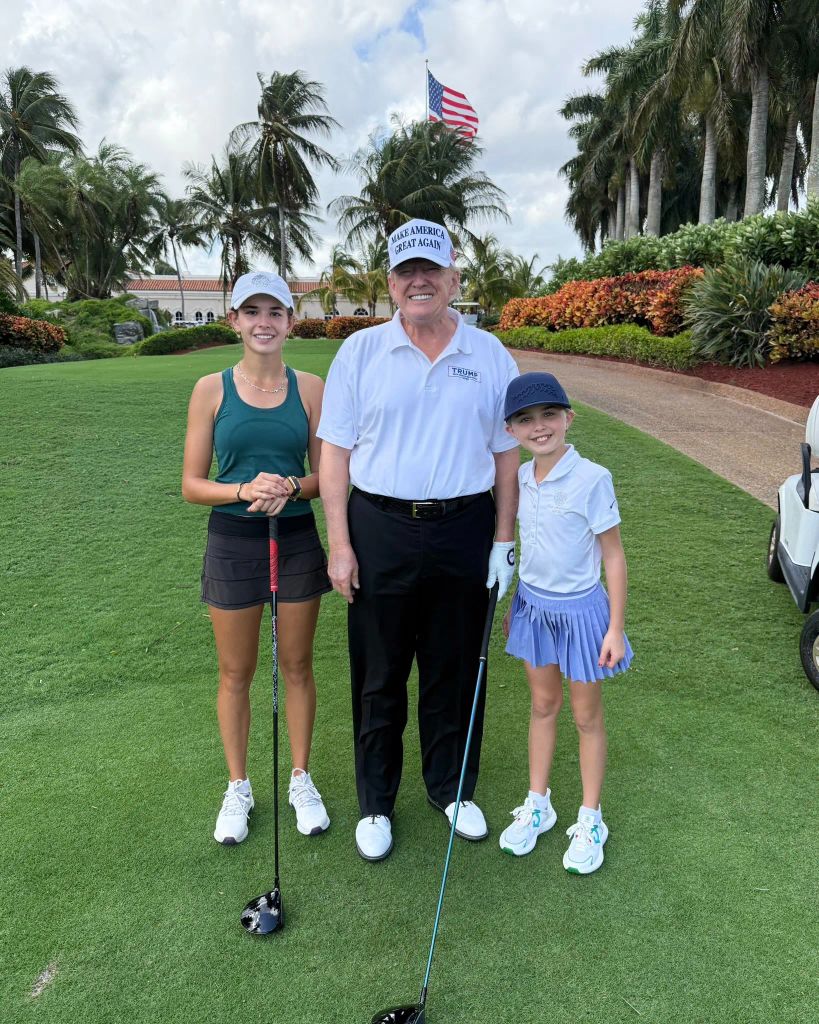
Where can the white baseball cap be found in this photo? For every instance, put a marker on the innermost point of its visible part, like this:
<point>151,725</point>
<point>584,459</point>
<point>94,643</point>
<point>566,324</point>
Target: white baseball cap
<point>421,240</point>
<point>261,283</point>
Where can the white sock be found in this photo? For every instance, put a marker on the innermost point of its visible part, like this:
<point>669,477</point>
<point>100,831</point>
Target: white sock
<point>541,799</point>
<point>596,814</point>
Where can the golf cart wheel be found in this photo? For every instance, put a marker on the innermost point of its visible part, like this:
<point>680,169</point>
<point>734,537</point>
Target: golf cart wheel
<point>809,648</point>
<point>772,561</point>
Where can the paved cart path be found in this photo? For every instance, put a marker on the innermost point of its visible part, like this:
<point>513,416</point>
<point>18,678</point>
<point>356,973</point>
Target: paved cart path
<point>745,437</point>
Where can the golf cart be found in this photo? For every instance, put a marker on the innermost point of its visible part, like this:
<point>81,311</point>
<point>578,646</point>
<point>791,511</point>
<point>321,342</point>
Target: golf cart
<point>793,549</point>
<point>470,311</point>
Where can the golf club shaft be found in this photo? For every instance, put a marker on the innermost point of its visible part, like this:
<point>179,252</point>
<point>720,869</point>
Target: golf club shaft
<point>490,614</point>
<point>273,535</point>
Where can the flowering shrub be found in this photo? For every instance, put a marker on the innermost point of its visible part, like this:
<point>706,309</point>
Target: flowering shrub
<point>312,327</point>
<point>36,335</point>
<point>344,326</point>
<point>794,330</point>
<point>650,298</point>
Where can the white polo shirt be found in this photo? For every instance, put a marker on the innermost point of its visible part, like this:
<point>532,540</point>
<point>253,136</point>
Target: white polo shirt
<point>419,429</point>
<point>559,519</point>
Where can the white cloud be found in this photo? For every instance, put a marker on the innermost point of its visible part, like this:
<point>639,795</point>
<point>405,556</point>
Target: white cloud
<point>168,79</point>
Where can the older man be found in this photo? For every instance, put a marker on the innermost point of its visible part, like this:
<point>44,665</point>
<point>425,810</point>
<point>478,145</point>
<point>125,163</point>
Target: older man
<point>413,418</point>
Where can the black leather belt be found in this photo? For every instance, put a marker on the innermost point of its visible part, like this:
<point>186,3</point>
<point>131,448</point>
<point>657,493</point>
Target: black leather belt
<point>424,509</point>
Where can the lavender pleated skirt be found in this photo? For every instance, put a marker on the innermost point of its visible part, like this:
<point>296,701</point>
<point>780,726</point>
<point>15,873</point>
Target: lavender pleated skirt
<point>563,629</point>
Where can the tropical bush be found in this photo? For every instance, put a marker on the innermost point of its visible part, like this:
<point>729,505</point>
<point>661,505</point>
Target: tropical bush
<point>794,330</point>
<point>728,310</point>
<point>13,356</point>
<point>310,327</point>
<point>33,335</point>
<point>89,323</point>
<point>184,338</point>
<point>7,304</point>
<point>619,341</point>
<point>344,326</point>
<point>651,299</point>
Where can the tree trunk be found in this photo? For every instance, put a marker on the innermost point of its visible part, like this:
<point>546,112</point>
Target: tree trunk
<point>620,217</point>
<point>633,215</point>
<point>708,185</point>
<point>38,266</point>
<point>18,226</point>
<point>654,212</point>
<point>788,156</point>
<point>627,201</point>
<point>732,206</point>
<point>178,277</point>
<point>813,166</point>
<point>282,242</point>
<point>757,141</point>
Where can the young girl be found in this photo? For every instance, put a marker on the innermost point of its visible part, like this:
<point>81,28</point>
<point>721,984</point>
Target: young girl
<point>260,417</point>
<point>561,622</point>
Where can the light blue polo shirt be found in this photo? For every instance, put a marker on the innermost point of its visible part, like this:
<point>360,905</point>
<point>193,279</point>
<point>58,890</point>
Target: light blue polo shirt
<point>418,429</point>
<point>559,520</point>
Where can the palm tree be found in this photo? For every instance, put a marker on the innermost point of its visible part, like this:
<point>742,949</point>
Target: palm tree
<point>419,170</point>
<point>39,196</point>
<point>177,226</point>
<point>522,278</point>
<point>484,277</point>
<point>291,108</point>
<point>35,119</point>
<point>370,278</point>
<point>338,277</point>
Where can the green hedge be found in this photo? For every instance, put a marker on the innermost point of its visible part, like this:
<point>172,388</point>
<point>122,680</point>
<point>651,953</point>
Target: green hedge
<point>619,341</point>
<point>12,356</point>
<point>179,339</point>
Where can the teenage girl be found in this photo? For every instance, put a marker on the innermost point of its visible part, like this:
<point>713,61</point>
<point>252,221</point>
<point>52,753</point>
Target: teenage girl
<point>562,622</point>
<point>260,418</point>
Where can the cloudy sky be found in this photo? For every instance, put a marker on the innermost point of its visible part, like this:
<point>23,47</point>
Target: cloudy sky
<point>168,79</point>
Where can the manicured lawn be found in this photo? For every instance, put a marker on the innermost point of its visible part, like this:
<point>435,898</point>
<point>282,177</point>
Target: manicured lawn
<point>111,768</point>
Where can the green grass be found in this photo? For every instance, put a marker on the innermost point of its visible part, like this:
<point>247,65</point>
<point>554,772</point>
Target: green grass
<point>111,769</point>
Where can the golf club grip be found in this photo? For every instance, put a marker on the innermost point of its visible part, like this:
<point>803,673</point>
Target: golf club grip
<point>273,536</point>
<point>490,615</point>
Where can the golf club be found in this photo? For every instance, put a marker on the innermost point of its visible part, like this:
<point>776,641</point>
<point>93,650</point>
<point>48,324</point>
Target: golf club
<point>416,1013</point>
<point>265,914</point>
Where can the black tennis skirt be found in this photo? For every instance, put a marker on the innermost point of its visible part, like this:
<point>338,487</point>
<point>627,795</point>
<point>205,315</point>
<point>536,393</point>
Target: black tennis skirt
<point>236,568</point>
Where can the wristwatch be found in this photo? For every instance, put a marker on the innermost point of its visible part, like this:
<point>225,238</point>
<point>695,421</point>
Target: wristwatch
<point>295,483</point>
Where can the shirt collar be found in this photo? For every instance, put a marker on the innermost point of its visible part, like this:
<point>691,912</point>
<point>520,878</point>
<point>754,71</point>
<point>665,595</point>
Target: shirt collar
<point>459,342</point>
<point>562,468</point>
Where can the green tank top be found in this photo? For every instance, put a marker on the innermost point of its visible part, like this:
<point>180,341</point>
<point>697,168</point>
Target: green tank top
<point>249,441</point>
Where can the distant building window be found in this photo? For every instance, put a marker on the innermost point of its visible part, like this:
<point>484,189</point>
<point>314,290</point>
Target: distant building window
<point>210,317</point>
<point>360,312</point>
<point>198,316</point>
<point>178,316</point>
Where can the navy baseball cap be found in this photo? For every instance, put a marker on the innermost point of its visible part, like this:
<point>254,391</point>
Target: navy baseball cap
<point>534,389</point>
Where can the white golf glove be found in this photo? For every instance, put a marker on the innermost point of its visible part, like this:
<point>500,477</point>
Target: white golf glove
<point>501,566</point>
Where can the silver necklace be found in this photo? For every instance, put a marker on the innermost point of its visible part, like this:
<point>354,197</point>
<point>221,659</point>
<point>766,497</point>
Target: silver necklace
<point>267,391</point>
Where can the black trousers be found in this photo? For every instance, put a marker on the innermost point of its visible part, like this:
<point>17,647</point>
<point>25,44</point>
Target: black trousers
<point>422,595</point>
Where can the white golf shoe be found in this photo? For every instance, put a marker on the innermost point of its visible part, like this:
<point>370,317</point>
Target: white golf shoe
<point>373,837</point>
<point>471,823</point>
<point>530,822</point>
<point>305,799</point>
<point>231,825</point>
<point>585,853</point>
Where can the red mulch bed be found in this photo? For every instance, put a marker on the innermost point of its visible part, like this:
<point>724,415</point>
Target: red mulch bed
<point>789,381</point>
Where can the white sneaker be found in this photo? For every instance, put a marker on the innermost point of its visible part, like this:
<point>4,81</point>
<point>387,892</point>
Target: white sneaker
<point>585,853</point>
<point>231,825</point>
<point>530,822</point>
<point>373,837</point>
<point>305,799</point>
<point>471,823</point>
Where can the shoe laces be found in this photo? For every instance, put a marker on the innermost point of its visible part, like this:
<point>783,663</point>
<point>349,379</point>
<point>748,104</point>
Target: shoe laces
<point>523,814</point>
<point>235,802</point>
<point>303,791</point>
<point>581,832</point>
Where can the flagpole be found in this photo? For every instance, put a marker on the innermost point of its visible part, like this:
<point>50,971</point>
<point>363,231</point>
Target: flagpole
<point>426,85</point>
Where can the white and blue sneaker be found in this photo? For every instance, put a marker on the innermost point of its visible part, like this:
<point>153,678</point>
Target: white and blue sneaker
<point>585,853</point>
<point>530,822</point>
<point>231,825</point>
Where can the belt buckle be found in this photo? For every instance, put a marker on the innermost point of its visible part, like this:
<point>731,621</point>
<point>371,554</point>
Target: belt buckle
<point>423,509</point>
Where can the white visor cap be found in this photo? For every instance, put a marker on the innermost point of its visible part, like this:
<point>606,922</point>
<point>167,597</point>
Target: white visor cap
<point>421,240</point>
<point>261,283</point>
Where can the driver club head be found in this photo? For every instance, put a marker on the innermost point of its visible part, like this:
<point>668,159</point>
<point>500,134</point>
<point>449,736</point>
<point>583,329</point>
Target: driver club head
<point>264,915</point>
<point>414,1014</point>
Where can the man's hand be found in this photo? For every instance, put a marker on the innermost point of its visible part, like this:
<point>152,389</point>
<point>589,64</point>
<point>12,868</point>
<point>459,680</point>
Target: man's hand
<point>501,566</point>
<point>342,568</point>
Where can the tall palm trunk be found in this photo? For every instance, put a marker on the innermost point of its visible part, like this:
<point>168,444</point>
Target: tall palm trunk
<point>178,277</point>
<point>620,216</point>
<point>18,225</point>
<point>282,242</point>
<point>732,206</point>
<point>38,266</point>
<point>633,213</point>
<point>813,166</point>
<point>757,132</point>
<point>708,186</point>
<point>627,202</point>
<point>788,157</point>
<point>654,212</point>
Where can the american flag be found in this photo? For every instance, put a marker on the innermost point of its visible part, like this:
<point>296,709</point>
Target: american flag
<point>453,108</point>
